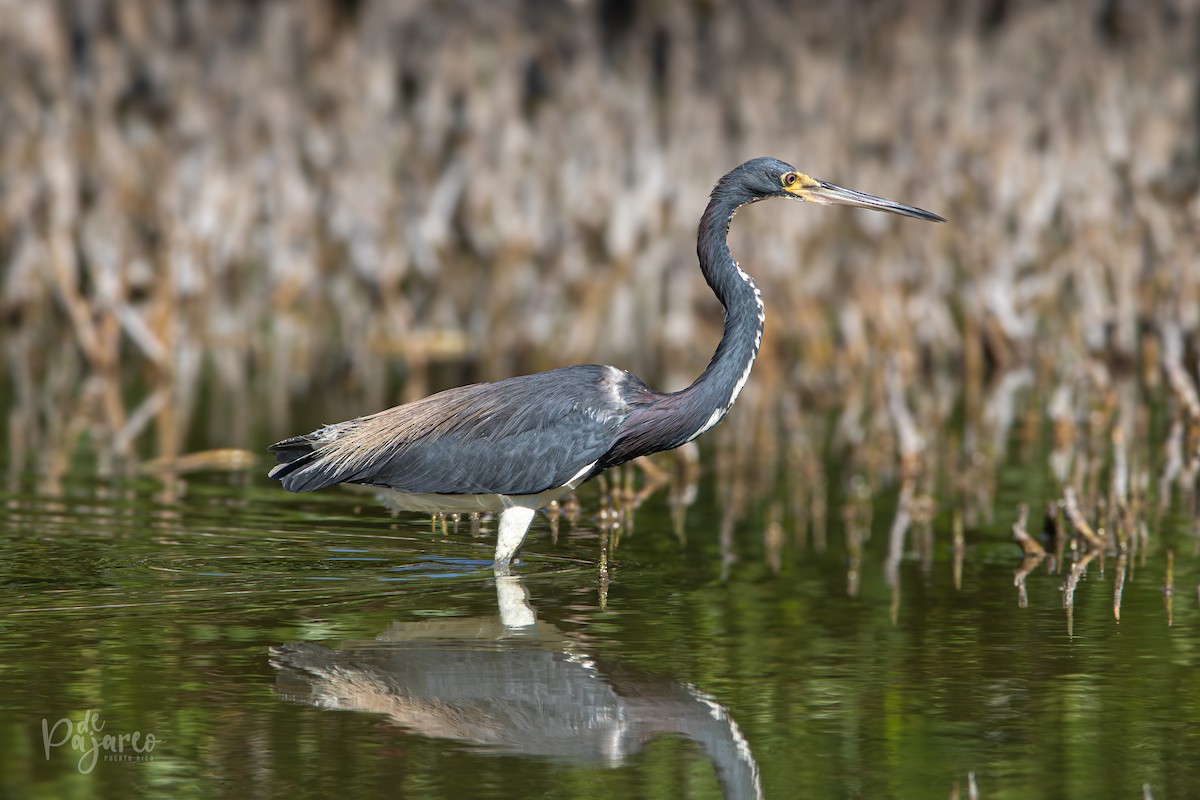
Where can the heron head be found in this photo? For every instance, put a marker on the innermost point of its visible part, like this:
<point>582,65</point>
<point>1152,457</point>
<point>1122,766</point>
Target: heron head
<point>770,177</point>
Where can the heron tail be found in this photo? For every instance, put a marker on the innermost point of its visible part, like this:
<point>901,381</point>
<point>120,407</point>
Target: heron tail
<point>296,457</point>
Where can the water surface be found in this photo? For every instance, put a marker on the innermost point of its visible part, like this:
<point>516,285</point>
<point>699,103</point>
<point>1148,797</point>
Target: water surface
<point>284,646</point>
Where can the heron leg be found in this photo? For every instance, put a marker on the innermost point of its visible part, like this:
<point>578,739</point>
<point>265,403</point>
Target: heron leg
<point>514,524</point>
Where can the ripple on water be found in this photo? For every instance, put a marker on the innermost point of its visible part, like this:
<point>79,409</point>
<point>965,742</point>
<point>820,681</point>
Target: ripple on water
<point>83,554</point>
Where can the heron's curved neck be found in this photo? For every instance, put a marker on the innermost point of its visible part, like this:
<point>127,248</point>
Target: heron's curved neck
<point>712,394</point>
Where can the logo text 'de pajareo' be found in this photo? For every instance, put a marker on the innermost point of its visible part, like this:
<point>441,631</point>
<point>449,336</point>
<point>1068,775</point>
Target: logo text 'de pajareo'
<point>85,737</point>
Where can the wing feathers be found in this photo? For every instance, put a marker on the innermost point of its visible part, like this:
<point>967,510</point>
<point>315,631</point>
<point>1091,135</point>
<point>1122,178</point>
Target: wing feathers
<point>518,436</point>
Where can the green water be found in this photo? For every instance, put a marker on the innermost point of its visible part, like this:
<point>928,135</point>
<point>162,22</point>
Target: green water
<point>279,646</point>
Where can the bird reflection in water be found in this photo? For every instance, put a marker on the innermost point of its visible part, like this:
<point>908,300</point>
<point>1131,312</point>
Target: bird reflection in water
<point>512,685</point>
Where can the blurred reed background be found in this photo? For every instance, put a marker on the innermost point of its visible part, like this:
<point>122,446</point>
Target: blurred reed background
<point>224,222</point>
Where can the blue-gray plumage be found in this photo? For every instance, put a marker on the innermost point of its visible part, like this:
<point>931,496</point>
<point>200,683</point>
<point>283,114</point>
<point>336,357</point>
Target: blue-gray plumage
<point>515,445</point>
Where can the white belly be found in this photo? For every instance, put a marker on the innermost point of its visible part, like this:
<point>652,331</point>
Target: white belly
<point>468,503</point>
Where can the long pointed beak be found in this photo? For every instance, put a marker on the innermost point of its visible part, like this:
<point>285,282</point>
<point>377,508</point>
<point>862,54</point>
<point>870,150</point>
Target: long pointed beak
<point>827,193</point>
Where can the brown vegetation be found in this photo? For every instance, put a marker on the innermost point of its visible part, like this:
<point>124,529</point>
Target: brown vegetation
<point>264,207</point>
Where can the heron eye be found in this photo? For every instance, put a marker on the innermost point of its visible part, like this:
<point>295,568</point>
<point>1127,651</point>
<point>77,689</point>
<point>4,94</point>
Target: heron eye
<point>789,179</point>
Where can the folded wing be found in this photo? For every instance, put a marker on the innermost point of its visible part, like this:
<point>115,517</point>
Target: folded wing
<point>517,436</point>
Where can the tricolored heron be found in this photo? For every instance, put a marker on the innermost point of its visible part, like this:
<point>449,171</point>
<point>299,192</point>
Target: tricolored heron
<point>516,445</point>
